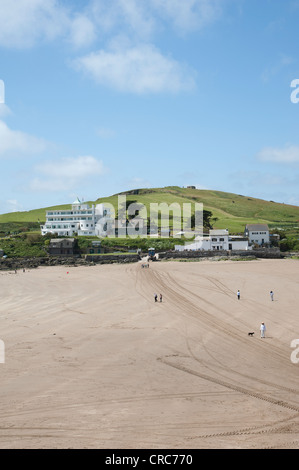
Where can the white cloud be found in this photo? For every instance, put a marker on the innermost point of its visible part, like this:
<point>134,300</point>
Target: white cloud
<point>26,23</point>
<point>188,15</point>
<point>289,154</point>
<point>82,31</point>
<point>66,173</point>
<point>136,16</point>
<point>17,143</point>
<point>4,110</point>
<point>139,69</point>
<point>132,63</point>
<point>145,17</point>
<point>70,167</point>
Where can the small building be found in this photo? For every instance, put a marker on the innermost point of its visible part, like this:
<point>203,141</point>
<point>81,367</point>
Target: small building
<point>218,239</point>
<point>257,234</point>
<point>238,243</point>
<point>95,247</point>
<point>274,238</point>
<point>62,247</point>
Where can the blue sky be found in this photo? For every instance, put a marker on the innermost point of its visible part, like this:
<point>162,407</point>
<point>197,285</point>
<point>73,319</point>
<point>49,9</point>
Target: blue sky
<point>101,96</point>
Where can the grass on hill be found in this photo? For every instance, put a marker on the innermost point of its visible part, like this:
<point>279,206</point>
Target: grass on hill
<point>231,211</point>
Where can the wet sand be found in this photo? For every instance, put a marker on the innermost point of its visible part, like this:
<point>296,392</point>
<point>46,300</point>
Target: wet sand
<point>91,361</point>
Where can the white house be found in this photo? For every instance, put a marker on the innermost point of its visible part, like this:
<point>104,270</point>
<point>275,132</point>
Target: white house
<point>257,234</point>
<point>216,240</point>
<point>81,218</point>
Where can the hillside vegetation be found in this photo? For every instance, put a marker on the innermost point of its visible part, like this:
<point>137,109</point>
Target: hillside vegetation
<point>231,211</point>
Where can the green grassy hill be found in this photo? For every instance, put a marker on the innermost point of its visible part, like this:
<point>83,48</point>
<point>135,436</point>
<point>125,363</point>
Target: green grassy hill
<point>231,211</point>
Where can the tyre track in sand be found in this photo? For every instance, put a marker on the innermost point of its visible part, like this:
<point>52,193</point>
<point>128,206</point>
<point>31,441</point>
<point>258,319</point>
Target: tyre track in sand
<point>149,281</point>
<point>187,309</point>
<point>193,304</point>
<point>271,428</point>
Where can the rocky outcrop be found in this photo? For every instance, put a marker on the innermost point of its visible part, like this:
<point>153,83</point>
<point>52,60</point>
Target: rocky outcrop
<point>260,253</point>
<point>88,260</point>
<point>30,263</point>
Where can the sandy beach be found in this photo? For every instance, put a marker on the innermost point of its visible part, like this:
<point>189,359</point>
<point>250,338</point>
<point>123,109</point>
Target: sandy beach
<point>92,361</point>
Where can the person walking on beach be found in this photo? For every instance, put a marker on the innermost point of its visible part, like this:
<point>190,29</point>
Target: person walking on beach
<point>238,295</point>
<point>160,297</point>
<point>272,295</point>
<point>262,330</point>
<point>156,298</point>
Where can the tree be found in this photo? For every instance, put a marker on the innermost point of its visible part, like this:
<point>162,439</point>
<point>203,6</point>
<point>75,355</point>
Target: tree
<point>207,217</point>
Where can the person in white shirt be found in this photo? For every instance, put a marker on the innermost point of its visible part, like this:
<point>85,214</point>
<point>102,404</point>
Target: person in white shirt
<point>262,330</point>
<point>272,295</point>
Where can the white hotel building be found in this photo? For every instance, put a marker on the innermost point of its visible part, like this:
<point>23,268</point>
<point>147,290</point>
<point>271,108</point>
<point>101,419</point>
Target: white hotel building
<point>81,219</point>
